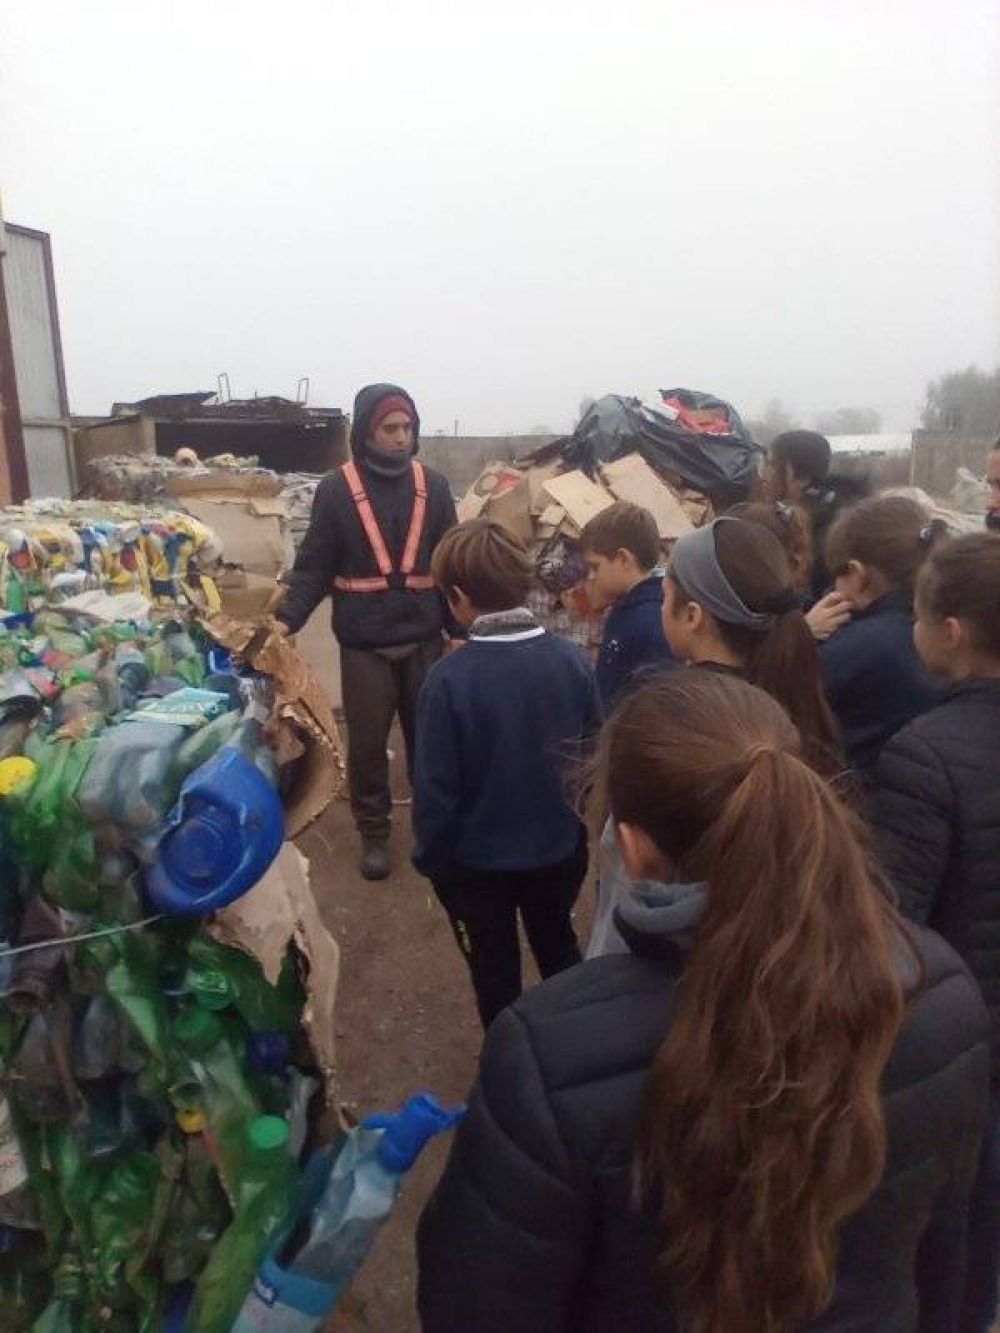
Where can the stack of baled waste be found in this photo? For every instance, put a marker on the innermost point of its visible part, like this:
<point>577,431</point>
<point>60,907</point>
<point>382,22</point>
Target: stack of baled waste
<point>166,1016</point>
<point>80,552</point>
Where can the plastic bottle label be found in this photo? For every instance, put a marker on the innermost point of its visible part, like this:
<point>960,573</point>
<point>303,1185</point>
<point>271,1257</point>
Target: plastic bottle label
<point>265,1311</point>
<point>13,1172</point>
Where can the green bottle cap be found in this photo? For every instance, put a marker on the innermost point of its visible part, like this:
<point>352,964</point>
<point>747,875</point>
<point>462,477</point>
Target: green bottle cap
<point>268,1133</point>
<point>210,987</point>
<point>197,1029</point>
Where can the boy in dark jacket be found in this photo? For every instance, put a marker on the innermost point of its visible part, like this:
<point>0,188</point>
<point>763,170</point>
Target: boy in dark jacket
<point>498,724</point>
<point>374,526</point>
<point>621,549</point>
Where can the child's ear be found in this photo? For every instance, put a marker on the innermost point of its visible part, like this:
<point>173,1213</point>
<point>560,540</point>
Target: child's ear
<point>643,859</point>
<point>956,634</point>
<point>695,615</point>
<point>861,572</point>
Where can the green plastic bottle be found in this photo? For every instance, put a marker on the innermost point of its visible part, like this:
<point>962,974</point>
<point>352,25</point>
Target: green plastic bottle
<point>218,976</point>
<point>264,1202</point>
<point>227,1101</point>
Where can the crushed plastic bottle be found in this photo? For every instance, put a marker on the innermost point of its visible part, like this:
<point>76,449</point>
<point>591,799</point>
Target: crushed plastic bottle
<point>304,1277</point>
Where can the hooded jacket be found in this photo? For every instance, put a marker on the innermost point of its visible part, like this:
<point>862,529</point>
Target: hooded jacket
<point>533,1226</point>
<point>633,639</point>
<point>336,544</point>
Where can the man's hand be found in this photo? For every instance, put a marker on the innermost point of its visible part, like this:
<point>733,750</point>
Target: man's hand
<point>828,615</point>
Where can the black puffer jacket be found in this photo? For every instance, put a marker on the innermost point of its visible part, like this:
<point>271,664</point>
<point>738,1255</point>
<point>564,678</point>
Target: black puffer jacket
<point>336,544</point>
<point>937,810</point>
<point>531,1229</point>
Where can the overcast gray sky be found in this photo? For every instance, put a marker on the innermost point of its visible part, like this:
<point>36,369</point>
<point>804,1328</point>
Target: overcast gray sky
<point>506,206</point>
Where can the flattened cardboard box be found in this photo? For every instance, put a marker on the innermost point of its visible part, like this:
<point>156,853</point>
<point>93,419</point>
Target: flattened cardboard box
<point>579,496</point>
<point>309,728</point>
<point>279,910</point>
<point>631,478</point>
<point>254,533</point>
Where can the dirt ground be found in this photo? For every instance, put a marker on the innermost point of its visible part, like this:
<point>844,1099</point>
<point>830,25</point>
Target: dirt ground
<point>406,1023</point>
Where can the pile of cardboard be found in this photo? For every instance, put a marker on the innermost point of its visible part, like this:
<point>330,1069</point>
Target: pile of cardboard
<point>541,502</point>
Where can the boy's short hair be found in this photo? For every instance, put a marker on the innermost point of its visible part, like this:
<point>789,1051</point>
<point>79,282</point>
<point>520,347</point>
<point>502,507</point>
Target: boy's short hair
<point>490,565</point>
<point>623,527</point>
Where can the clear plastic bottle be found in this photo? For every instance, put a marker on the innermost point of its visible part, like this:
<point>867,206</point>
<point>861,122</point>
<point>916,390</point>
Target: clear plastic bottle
<point>296,1288</point>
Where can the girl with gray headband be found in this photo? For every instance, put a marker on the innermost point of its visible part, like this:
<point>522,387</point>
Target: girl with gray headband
<point>730,602</point>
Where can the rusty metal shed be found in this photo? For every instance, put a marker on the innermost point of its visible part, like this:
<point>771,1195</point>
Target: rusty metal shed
<point>286,436</point>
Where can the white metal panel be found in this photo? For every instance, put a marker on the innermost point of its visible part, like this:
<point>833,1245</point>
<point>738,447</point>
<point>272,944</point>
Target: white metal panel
<point>32,332</point>
<point>48,464</point>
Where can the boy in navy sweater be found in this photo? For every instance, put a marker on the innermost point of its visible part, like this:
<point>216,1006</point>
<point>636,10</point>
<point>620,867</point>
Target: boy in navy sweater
<point>498,724</point>
<point>621,549</point>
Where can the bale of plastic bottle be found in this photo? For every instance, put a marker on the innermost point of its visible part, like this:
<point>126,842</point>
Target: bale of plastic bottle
<point>156,1090</point>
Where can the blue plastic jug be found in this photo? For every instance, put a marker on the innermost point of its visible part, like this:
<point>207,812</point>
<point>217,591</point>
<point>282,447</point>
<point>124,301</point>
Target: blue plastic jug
<point>226,829</point>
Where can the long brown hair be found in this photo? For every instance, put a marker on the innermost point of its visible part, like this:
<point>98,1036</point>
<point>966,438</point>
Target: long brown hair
<point>782,659</point>
<point>763,1127</point>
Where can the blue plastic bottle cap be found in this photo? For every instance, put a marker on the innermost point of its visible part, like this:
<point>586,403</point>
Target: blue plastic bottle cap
<point>268,1052</point>
<point>407,1133</point>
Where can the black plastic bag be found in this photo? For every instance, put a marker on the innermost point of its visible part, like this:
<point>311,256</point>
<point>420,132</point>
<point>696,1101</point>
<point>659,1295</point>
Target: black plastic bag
<point>721,466</point>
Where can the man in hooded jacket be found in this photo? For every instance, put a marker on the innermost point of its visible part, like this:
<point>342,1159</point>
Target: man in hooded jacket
<point>375,523</point>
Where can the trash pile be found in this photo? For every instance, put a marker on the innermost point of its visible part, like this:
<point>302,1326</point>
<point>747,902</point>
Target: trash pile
<point>680,460</point>
<point>63,551</point>
<point>142,478</point>
<point>259,517</point>
<point>161,1069</point>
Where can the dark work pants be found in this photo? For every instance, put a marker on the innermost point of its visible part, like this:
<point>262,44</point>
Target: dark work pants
<point>376,687</point>
<point>482,906</point>
<point>983,1257</point>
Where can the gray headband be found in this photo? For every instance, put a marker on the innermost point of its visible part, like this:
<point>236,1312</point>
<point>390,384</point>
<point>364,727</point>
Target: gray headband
<point>695,566</point>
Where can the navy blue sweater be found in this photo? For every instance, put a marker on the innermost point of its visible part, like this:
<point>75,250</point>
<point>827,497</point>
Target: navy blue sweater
<point>499,724</point>
<point>633,638</point>
<point>874,679</point>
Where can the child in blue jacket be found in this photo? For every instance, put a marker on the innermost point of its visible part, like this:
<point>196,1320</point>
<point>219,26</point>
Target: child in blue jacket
<point>621,549</point>
<point>499,723</point>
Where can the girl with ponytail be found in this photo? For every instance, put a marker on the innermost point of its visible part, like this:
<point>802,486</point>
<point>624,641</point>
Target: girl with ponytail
<point>760,1117</point>
<point>872,675</point>
<point>730,601</point>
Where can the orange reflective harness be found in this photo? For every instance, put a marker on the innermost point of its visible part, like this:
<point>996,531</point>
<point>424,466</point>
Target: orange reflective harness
<point>387,577</point>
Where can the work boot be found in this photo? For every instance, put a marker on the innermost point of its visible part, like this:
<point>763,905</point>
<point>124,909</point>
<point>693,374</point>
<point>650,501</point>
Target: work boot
<point>375,858</point>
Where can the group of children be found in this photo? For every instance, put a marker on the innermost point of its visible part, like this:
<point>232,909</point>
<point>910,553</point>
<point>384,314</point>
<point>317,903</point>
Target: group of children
<point>765,1104</point>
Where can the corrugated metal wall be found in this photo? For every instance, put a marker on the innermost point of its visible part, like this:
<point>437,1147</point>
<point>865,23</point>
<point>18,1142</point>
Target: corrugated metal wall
<point>33,322</point>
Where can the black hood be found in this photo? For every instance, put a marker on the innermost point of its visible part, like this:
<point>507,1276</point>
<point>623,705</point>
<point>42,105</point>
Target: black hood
<point>364,407</point>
